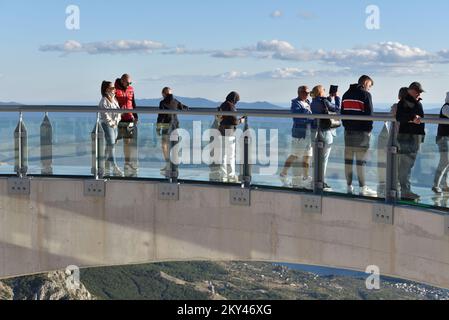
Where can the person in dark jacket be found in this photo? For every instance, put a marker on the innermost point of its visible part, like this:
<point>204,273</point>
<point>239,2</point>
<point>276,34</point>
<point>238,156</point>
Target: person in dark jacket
<point>227,127</point>
<point>322,105</point>
<point>358,101</point>
<point>387,137</point>
<point>302,151</point>
<point>167,123</point>
<point>128,125</point>
<point>411,134</point>
<point>441,184</point>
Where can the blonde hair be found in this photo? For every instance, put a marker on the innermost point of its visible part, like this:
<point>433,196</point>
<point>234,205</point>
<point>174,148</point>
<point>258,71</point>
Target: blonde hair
<point>316,91</point>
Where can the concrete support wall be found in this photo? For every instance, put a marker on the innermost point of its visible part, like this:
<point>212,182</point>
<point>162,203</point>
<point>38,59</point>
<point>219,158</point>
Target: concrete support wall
<point>57,226</point>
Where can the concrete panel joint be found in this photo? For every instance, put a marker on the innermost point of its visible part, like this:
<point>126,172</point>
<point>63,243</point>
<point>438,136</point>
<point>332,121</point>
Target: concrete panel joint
<point>169,191</point>
<point>240,197</point>
<point>312,204</point>
<point>19,186</point>
<point>383,214</point>
<point>94,188</point>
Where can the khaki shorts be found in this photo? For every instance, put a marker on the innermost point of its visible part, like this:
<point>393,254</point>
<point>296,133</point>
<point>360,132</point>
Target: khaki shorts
<point>302,147</point>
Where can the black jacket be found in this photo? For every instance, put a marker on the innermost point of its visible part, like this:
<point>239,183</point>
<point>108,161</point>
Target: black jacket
<point>408,109</point>
<point>357,101</point>
<point>170,103</point>
<point>230,105</point>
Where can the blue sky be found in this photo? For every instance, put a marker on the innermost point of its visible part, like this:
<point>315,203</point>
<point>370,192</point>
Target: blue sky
<point>264,49</point>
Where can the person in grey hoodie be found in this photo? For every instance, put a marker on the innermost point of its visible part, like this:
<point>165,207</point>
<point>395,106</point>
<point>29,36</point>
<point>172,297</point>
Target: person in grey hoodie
<point>440,184</point>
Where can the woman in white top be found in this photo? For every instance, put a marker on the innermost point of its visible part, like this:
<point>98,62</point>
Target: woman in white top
<point>109,122</point>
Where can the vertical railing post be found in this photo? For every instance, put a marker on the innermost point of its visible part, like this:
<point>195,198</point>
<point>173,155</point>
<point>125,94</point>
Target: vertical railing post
<point>98,150</point>
<point>21,148</point>
<point>46,131</point>
<point>246,168</point>
<point>391,194</point>
<point>318,149</point>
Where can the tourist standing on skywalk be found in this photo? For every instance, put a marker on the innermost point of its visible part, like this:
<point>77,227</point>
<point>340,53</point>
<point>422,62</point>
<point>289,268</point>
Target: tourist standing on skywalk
<point>167,123</point>
<point>411,134</point>
<point>128,124</point>
<point>227,127</point>
<point>441,184</point>
<point>358,101</point>
<point>301,150</point>
<point>109,122</point>
<point>387,137</point>
<point>322,105</point>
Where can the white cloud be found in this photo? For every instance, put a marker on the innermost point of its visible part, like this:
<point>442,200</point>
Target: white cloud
<point>389,58</point>
<point>443,55</point>
<point>383,52</point>
<point>233,75</point>
<point>275,46</point>
<point>106,47</point>
<point>277,74</point>
<point>276,14</point>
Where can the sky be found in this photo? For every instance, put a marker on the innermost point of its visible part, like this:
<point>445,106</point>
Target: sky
<point>264,49</point>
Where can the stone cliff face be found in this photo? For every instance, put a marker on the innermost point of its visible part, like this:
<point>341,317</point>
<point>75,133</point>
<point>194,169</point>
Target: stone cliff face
<point>51,286</point>
<point>6,292</point>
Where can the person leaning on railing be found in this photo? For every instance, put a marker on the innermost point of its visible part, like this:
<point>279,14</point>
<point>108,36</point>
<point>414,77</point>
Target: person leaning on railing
<point>411,136</point>
<point>167,123</point>
<point>441,184</point>
<point>128,124</point>
<point>109,122</point>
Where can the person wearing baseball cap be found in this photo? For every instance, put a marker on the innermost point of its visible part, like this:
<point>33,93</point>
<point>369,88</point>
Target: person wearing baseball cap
<point>411,134</point>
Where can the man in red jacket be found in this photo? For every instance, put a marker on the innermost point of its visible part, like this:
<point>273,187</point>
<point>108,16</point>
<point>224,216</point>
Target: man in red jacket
<point>128,124</point>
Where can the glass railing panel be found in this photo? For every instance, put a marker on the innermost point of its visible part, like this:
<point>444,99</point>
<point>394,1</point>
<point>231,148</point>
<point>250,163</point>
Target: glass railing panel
<point>72,143</point>
<point>278,158</point>
<point>422,166</point>
<point>149,158</point>
<point>196,133</point>
<point>357,162</point>
<point>8,123</point>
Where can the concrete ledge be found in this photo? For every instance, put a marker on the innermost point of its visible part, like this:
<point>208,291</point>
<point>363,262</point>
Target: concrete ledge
<point>57,226</point>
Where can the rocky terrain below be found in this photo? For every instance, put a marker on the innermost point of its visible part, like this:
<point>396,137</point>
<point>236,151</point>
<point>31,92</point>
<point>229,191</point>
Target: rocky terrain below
<point>204,281</point>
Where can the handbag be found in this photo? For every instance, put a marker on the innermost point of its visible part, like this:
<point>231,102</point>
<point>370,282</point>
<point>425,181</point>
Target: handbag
<point>328,124</point>
<point>126,130</point>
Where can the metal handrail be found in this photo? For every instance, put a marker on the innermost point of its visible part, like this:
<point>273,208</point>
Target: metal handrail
<point>283,114</point>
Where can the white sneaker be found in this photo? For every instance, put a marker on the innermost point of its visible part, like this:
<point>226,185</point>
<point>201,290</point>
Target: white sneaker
<point>284,180</point>
<point>307,183</point>
<point>350,190</point>
<point>367,192</point>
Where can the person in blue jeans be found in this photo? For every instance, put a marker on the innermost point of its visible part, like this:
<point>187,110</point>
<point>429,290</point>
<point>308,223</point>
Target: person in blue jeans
<point>322,105</point>
<point>109,122</point>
